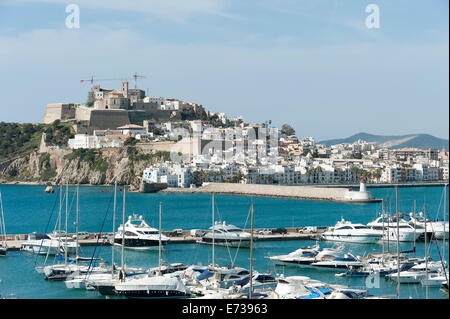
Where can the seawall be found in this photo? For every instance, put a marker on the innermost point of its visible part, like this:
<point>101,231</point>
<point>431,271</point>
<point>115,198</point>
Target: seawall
<point>294,192</point>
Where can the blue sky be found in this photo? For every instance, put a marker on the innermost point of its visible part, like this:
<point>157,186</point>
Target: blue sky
<point>312,63</point>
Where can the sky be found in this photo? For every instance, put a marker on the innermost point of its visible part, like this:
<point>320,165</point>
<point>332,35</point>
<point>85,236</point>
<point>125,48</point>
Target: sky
<point>313,64</point>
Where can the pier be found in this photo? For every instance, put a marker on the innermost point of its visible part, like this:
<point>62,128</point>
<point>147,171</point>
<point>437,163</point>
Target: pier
<point>15,241</point>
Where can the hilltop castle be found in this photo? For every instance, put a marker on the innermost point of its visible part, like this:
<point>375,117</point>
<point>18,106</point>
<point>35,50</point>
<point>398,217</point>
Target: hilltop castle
<point>111,108</point>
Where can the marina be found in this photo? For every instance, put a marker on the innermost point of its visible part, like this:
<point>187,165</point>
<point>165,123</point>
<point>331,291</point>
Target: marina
<point>281,227</point>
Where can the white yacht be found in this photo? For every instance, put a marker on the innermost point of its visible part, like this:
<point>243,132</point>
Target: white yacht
<point>387,226</point>
<point>435,280</point>
<point>152,287</point>
<point>51,244</point>
<point>137,234</point>
<point>306,256</point>
<point>346,231</point>
<point>224,234</point>
<point>340,262</point>
<point>301,257</point>
<point>418,272</point>
<point>438,229</point>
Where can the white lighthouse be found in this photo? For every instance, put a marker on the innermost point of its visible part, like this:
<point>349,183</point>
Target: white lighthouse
<point>362,195</point>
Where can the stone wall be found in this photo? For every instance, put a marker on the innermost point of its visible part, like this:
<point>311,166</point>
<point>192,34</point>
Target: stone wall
<point>59,111</point>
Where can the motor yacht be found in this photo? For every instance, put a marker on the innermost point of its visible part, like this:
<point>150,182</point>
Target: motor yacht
<point>434,229</point>
<point>223,234</point>
<point>387,226</point>
<point>416,273</point>
<point>346,231</point>
<point>339,263</point>
<point>304,257</point>
<point>137,234</point>
<point>51,244</point>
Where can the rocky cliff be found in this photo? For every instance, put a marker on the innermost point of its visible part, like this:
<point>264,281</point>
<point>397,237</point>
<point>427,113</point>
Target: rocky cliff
<point>99,167</point>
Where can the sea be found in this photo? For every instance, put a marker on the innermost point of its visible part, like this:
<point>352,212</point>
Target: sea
<point>29,209</point>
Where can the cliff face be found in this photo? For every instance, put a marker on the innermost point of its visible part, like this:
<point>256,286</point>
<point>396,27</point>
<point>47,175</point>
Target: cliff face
<point>60,167</point>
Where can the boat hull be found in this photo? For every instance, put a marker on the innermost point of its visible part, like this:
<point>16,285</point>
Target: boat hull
<point>140,244</point>
<point>235,243</point>
<point>360,239</point>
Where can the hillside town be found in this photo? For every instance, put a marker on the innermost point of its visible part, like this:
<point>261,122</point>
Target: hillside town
<point>212,147</point>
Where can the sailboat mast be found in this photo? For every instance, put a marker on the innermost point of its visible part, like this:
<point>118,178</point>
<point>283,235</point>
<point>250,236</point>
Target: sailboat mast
<point>382,220</point>
<point>60,216</point>
<point>76,223</point>
<point>122,260</point>
<point>414,214</point>
<point>114,226</point>
<point>398,242</point>
<point>445,211</point>
<point>426,250</point>
<point>67,222</point>
<point>2,222</point>
<point>160,230</point>
<point>251,252</point>
<point>213,235</point>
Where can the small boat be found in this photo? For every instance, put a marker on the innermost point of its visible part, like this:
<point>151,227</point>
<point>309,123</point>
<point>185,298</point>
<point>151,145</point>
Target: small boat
<point>49,189</point>
<point>435,280</point>
<point>223,234</point>
<point>339,263</point>
<point>346,231</point>
<point>137,234</point>
<point>61,272</point>
<point>416,273</point>
<point>304,257</point>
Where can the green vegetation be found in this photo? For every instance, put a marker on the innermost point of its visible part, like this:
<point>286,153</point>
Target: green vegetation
<point>17,139</point>
<point>287,130</point>
<point>20,138</point>
<point>49,174</point>
<point>58,133</point>
<point>100,165</point>
<point>85,155</point>
<point>135,155</point>
<point>130,141</point>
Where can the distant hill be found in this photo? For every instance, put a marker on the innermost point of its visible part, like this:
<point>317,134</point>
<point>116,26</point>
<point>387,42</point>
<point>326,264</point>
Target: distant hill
<point>395,141</point>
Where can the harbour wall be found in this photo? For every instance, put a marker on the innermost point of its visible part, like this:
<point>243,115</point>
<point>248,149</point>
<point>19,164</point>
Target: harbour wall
<point>295,192</point>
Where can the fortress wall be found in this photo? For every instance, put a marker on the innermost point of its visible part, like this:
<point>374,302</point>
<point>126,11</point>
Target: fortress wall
<point>59,111</point>
<point>107,119</point>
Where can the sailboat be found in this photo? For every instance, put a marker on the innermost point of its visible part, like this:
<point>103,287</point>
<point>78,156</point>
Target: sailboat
<point>62,271</point>
<point>3,244</point>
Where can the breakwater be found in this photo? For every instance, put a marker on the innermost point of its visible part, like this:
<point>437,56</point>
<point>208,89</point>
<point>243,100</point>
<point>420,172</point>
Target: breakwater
<point>295,192</point>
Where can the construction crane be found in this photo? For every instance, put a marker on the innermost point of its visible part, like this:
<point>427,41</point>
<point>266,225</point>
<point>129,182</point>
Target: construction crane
<point>136,76</point>
<point>92,80</point>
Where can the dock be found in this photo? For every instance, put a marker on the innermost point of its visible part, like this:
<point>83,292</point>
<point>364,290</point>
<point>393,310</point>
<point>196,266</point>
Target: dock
<point>15,241</point>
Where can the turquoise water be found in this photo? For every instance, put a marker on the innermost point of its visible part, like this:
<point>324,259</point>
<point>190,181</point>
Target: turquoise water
<point>28,209</point>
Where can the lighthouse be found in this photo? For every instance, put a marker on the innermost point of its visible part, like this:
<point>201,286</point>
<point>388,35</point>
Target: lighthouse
<point>362,184</point>
<point>362,196</point>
